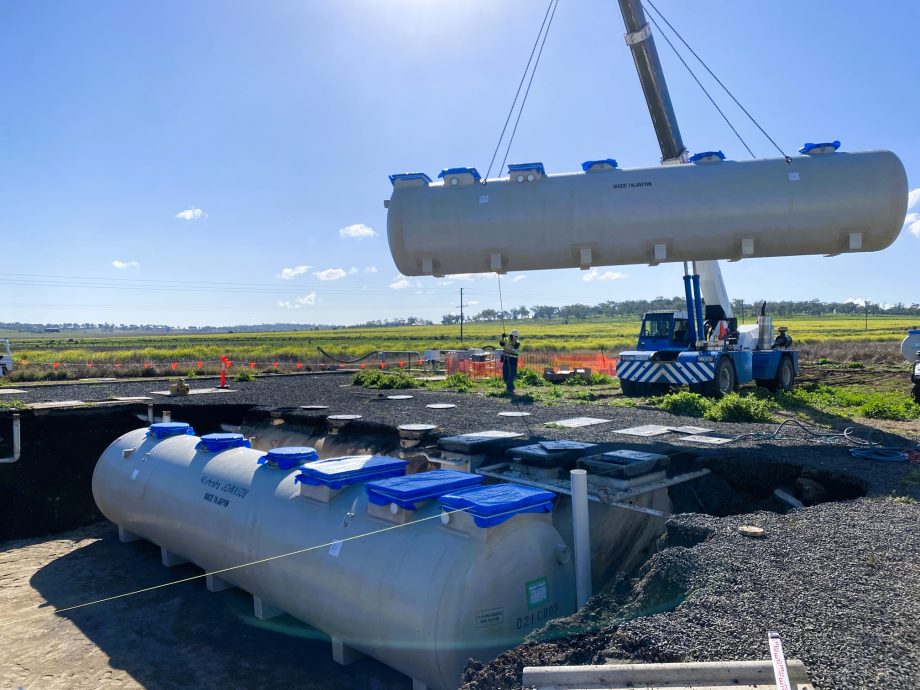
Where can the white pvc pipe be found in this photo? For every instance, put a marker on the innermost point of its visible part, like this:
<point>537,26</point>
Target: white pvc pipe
<point>150,413</point>
<point>17,443</point>
<point>167,416</point>
<point>583,586</point>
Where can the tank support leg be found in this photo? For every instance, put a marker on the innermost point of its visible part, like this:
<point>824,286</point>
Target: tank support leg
<point>418,685</point>
<point>171,559</point>
<point>343,654</point>
<point>216,584</point>
<point>125,536</point>
<point>263,610</point>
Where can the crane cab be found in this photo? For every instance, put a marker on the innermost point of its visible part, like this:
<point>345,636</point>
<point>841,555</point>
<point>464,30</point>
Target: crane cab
<point>664,331</point>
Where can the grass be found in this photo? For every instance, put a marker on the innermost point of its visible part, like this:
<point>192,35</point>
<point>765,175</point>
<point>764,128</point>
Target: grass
<point>852,401</point>
<point>735,407</point>
<point>831,338</point>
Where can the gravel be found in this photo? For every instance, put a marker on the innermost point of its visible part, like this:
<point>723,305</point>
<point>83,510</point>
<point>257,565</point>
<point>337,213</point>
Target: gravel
<point>840,582</point>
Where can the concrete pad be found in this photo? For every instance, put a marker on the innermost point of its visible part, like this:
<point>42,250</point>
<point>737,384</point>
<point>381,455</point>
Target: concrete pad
<point>194,391</point>
<point>132,398</point>
<point>170,559</point>
<point>263,610</point>
<point>511,413</point>
<point>216,584</point>
<point>691,430</point>
<point>60,403</point>
<point>645,430</point>
<point>12,391</point>
<point>399,397</point>
<point>441,406</point>
<point>343,654</point>
<point>709,440</point>
<point>576,422</point>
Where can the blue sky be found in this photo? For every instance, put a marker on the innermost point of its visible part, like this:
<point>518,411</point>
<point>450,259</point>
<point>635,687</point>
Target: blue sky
<point>166,162</point>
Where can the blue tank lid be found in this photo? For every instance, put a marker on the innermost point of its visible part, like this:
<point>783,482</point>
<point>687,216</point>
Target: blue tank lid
<point>587,165</point>
<point>165,429</point>
<point>215,443</point>
<point>810,149</point>
<point>409,177</point>
<point>492,505</point>
<point>407,491</point>
<point>339,472</point>
<point>460,171</point>
<point>289,456</point>
<point>523,167</point>
<point>707,157</point>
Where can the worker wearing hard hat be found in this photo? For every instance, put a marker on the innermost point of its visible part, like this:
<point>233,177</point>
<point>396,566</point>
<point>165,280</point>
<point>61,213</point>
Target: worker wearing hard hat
<point>510,345</point>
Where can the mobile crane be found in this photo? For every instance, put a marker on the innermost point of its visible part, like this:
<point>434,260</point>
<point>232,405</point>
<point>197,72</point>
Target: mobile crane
<point>702,347</point>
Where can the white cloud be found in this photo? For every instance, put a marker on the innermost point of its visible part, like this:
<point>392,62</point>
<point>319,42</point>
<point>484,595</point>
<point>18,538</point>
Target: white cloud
<point>912,220</point>
<point>444,283</point>
<point>912,223</point>
<point>306,300</point>
<point>124,265</point>
<point>288,273</point>
<point>352,270</point>
<point>913,199</point>
<point>358,231</point>
<point>594,274</point>
<point>518,279</point>
<point>370,269</point>
<point>331,274</point>
<point>860,301</point>
<point>472,303</point>
<point>401,283</point>
<point>192,214</point>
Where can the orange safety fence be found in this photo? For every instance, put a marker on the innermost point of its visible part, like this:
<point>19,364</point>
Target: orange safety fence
<point>596,362</point>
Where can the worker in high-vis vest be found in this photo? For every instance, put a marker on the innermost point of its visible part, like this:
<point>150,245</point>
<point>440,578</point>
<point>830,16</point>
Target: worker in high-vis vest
<point>510,345</point>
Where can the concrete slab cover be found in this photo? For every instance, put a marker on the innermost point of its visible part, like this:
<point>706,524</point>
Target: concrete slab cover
<point>645,430</point>
<point>576,422</point>
<point>314,407</point>
<point>194,391</point>
<point>689,430</point>
<point>440,406</point>
<point>511,413</point>
<point>12,391</point>
<point>131,398</point>
<point>399,397</point>
<point>492,433</point>
<point>344,417</point>
<point>711,440</point>
<point>60,403</point>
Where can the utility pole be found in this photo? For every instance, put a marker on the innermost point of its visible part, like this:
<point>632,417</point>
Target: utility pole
<point>461,316</point>
<point>867,315</point>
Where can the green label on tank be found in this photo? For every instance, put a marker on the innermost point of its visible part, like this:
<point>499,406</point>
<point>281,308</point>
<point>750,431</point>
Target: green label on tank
<point>537,592</point>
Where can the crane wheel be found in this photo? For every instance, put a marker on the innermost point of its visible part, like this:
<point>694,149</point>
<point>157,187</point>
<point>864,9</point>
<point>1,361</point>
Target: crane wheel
<point>725,380</point>
<point>630,388</point>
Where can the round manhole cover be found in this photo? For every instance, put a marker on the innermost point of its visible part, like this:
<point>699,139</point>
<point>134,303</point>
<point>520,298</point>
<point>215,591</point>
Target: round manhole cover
<point>511,413</point>
<point>440,406</point>
<point>344,417</point>
<point>752,531</point>
<point>417,427</point>
<point>314,407</point>
<point>399,397</point>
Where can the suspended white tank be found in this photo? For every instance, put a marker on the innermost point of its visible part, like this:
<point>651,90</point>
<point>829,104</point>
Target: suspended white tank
<point>910,346</point>
<point>422,598</point>
<point>820,203</point>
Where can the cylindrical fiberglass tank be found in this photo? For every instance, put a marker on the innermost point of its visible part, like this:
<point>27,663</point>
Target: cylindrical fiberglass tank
<point>422,596</point>
<point>823,203</point>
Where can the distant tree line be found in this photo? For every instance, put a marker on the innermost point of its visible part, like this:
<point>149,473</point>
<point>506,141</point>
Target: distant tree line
<point>634,308</point>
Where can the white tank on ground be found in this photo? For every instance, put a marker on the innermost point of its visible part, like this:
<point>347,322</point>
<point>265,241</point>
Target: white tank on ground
<point>822,203</point>
<point>422,598</point>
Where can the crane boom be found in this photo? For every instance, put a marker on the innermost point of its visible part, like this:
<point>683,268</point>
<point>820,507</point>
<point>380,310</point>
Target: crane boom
<point>651,76</point>
<point>645,54</point>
